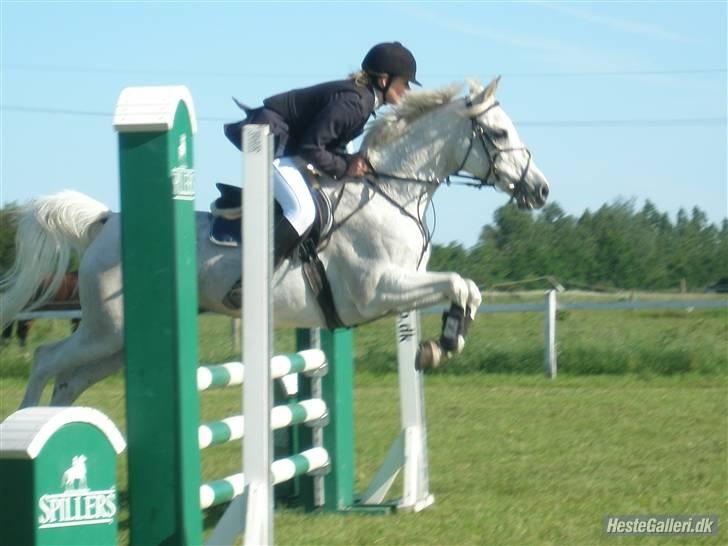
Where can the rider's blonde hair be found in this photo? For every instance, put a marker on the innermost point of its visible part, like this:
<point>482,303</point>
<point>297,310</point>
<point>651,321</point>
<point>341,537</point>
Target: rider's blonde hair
<point>361,78</point>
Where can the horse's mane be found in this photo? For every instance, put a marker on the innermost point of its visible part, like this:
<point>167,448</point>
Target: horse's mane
<point>414,105</point>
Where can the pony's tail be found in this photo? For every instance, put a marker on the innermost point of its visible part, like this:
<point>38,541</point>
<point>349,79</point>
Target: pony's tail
<point>50,230</point>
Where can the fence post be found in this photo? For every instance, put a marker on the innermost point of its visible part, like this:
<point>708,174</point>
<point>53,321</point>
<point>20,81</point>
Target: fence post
<point>416,483</point>
<point>408,452</point>
<point>257,330</point>
<point>550,334</point>
<point>338,436</point>
<point>156,127</point>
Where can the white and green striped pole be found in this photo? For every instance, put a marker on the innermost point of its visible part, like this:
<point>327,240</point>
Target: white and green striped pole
<point>233,373</point>
<point>311,412</point>
<point>226,489</point>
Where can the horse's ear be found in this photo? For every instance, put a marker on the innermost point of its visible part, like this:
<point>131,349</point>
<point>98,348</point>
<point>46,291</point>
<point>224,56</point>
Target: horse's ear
<point>484,94</point>
<point>479,101</point>
<point>492,86</point>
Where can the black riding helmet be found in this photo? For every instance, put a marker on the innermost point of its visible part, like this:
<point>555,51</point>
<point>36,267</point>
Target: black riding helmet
<point>391,58</point>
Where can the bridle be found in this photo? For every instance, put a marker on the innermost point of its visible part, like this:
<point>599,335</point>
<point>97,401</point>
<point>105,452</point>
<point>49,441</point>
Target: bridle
<point>481,134</point>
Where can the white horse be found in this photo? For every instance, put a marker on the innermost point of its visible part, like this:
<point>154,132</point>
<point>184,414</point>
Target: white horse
<point>375,257</point>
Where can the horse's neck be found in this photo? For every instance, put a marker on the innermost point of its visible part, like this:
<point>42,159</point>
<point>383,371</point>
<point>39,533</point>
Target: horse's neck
<point>426,151</point>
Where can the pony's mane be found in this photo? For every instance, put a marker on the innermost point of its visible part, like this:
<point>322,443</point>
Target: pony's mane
<point>414,105</point>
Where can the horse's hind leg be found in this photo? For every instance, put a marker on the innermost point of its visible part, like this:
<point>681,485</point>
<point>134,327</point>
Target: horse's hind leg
<point>70,384</point>
<point>23,327</point>
<point>40,373</point>
<point>63,356</point>
<point>99,336</point>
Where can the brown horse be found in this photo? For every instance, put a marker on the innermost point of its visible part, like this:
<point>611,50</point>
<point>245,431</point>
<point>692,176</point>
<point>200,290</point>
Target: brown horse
<point>65,299</point>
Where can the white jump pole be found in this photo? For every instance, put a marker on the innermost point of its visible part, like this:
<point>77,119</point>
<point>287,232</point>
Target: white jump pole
<point>252,512</point>
<point>257,270</point>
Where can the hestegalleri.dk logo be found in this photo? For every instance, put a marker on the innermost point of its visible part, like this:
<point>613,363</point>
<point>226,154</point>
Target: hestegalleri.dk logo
<point>661,525</point>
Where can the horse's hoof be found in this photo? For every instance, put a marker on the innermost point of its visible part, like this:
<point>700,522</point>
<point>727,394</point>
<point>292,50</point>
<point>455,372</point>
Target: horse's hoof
<point>429,355</point>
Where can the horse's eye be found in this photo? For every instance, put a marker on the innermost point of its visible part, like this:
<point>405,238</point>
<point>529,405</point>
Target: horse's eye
<point>498,134</point>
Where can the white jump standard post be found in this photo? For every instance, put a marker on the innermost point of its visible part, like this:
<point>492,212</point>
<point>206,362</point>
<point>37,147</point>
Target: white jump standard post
<point>257,271</point>
<point>416,482</point>
<point>252,513</point>
<point>408,452</point>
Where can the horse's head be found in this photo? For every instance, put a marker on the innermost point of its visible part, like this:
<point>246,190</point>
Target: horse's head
<point>495,155</point>
<point>432,135</point>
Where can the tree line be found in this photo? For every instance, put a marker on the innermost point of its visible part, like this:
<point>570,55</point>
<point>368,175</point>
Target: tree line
<point>618,246</point>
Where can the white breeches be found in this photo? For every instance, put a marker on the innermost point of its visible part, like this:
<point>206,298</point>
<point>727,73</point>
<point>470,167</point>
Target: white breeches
<point>292,194</point>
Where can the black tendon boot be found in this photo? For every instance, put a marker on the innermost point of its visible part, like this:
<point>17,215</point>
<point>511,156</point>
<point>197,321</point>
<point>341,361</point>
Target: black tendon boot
<point>285,240</point>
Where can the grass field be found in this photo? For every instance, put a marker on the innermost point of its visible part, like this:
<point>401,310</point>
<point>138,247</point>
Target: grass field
<point>514,457</point>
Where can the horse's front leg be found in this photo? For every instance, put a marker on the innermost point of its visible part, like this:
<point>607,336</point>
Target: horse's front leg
<point>402,290</point>
<point>455,324</point>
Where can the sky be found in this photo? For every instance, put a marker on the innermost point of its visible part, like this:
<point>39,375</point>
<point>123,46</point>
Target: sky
<point>616,100</point>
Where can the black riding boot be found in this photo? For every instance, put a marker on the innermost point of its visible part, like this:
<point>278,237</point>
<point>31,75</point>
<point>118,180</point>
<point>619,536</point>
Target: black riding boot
<point>285,240</point>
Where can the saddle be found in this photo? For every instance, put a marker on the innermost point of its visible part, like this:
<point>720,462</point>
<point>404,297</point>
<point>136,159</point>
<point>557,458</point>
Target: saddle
<point>226,212</point>
<point>225,231</point>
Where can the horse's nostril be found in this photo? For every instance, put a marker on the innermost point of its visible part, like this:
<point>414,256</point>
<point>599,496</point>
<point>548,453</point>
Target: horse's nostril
<point>544,192</point>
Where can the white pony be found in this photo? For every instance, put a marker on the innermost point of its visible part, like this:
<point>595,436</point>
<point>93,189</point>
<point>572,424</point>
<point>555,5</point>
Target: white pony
<point>375,256</point>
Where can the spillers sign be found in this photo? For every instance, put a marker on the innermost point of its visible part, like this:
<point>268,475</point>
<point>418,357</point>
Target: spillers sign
<point>77,504</point>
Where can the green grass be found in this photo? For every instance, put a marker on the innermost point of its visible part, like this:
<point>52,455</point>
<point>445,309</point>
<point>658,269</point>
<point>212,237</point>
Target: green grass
<point>515,458</point>
<point>527,461</point>
<point>665,342</point>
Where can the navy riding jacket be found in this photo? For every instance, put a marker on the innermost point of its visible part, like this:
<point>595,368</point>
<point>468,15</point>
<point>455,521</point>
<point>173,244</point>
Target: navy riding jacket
<point>315,122</point>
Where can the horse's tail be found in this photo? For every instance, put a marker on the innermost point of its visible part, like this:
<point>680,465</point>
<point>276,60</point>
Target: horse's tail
<point>49,231</point>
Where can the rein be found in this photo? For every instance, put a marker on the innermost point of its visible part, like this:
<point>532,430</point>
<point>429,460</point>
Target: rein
<point>426,236</point>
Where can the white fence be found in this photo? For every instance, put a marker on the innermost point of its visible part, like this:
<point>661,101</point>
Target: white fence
<point>32,315</point>
<point>549,307</point>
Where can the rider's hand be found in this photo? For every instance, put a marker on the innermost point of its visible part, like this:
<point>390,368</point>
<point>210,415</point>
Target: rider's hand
<point>358,166</point>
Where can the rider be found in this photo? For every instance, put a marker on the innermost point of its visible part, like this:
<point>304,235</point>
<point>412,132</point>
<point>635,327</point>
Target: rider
<point>316,123</point>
